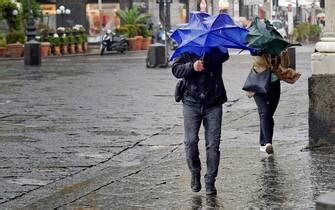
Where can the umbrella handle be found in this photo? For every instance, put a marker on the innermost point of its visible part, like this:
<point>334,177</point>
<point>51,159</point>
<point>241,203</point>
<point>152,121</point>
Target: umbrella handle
<point>202,57</point>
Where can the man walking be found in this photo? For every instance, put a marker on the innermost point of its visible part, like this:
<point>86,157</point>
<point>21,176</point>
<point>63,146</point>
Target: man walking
<point>203,95</point>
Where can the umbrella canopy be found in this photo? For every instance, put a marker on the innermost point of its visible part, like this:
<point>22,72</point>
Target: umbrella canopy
<point>205,33</point>
<point>266,39</point>
<point>194,26</point>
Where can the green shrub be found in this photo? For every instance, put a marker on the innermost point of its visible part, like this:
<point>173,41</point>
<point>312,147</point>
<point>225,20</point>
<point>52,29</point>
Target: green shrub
<point>2,40</point>
<point>43,31</point>
<point>306,31</point>
<point>144,31</point>
<point>67,31</point>
<point>132,16</point>
<point>82,31</point>
<point>35,7</point>
<point>15,36</point>
<point>50,39</point>
<point>314,31</point>
<point>6,11</point>
<point>121,31</point>
<point>79,39</point>
<point>56,41</point>
<point>132,30</point>
<point>132,19</point>
<point>60,31</point>
<point>64,40</point>
<point>72,39</point>
<point>84,37</point>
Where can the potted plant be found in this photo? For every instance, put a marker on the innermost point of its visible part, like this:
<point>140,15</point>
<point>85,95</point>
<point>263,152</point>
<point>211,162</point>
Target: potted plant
<point>85,42</point>
<point>131,37</point>
<point>71,44</point>
<point>67,31</point>
<point>301,32</point>
<point>43,31</point>
<point>84,38</point>
<point>132,19</point>
<point>145,32</point>
<point>314,33</point>
<point>56,43</point>
<point>15,41</point>
<point>64,42</point>
<point>3,45</point>
<point>79,44</point>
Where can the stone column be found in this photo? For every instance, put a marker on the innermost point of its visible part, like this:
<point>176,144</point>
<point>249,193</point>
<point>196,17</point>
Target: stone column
<point>321,85</point>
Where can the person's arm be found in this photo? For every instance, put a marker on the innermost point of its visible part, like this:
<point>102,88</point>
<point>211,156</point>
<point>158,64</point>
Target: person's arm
<point>182,68</point>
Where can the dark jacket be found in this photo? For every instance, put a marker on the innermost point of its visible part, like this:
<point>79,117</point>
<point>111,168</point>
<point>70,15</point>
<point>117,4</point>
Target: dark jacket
<point>204,88</point>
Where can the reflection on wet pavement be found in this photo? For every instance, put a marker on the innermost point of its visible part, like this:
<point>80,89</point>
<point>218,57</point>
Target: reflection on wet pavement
<point>109,136</point>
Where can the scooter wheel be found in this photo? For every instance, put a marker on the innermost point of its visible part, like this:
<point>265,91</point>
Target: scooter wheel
<point>102,51</point>
<point>149,64</point>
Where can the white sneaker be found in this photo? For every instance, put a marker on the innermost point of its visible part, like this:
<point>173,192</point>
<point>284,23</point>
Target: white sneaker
<point>269,149</point>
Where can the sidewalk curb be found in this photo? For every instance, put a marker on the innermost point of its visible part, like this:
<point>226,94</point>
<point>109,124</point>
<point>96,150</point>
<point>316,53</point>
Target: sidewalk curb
<point>130,53</point>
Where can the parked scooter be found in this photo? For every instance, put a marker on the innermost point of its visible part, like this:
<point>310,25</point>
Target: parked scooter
<point>160,36</point>
<point>112,42</point>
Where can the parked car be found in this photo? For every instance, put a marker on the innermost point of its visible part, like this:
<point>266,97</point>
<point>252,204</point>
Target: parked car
<point>280,27</point>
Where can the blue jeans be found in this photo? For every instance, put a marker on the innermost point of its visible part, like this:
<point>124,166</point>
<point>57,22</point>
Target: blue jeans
<point>267,105</point>
<point>212,119</point>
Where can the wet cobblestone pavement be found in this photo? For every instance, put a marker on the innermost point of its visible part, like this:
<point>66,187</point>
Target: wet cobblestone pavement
<point>104,132</point>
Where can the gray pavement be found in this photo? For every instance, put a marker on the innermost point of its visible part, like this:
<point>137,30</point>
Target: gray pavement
<point>104,133</point>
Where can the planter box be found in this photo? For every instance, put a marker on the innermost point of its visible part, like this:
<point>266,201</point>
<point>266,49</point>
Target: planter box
<point>45,48</point>
<point>57,51</point>
<point>85,46</point>
<point>132,44</point>
<point>71,49</point>
<point>15,50</point>
<point>3,51</point>
<point>138,42</point>
<point>64,49</point>
<point>79,48</point>
<point>146,43</point>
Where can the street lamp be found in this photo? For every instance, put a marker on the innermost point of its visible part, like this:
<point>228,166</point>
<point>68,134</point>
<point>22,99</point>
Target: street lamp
<point>32,48</point>
<point>15,12</point>
<point>223,6</point>
<point>63,11</point>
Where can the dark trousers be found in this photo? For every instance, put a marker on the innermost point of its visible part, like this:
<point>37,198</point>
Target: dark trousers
<point>212,119</point>
<point>267,105</point>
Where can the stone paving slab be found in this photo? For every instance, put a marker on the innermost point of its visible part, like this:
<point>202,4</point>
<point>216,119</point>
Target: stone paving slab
<point>104,132</point>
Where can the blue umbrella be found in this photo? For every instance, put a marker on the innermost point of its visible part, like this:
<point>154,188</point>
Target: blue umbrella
<point>195,25</point>
<point>209,32</point>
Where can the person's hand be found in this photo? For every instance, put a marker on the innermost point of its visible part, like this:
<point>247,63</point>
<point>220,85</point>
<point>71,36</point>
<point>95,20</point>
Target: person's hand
<point>198,66</point>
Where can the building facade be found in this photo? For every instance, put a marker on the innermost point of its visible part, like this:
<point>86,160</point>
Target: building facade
<point>93,18</point>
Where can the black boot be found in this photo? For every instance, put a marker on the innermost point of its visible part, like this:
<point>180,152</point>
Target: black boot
<point>195,183</point>
<point>210,189</point>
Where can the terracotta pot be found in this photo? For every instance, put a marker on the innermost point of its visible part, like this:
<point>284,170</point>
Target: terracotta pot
<point>146,43</point>
<point>64,49</point>
<point>71,49</point>
<point>3,51</point>
<point>132,44</point>
<point>79,48</point>
<point>84,46</point>
<point>138,43</point>
<point>15,50</point>
<point>45,48</point>
<point>57,51</point>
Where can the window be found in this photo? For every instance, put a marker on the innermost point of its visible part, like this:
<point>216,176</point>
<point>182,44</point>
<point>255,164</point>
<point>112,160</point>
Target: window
<point>106,19</point>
